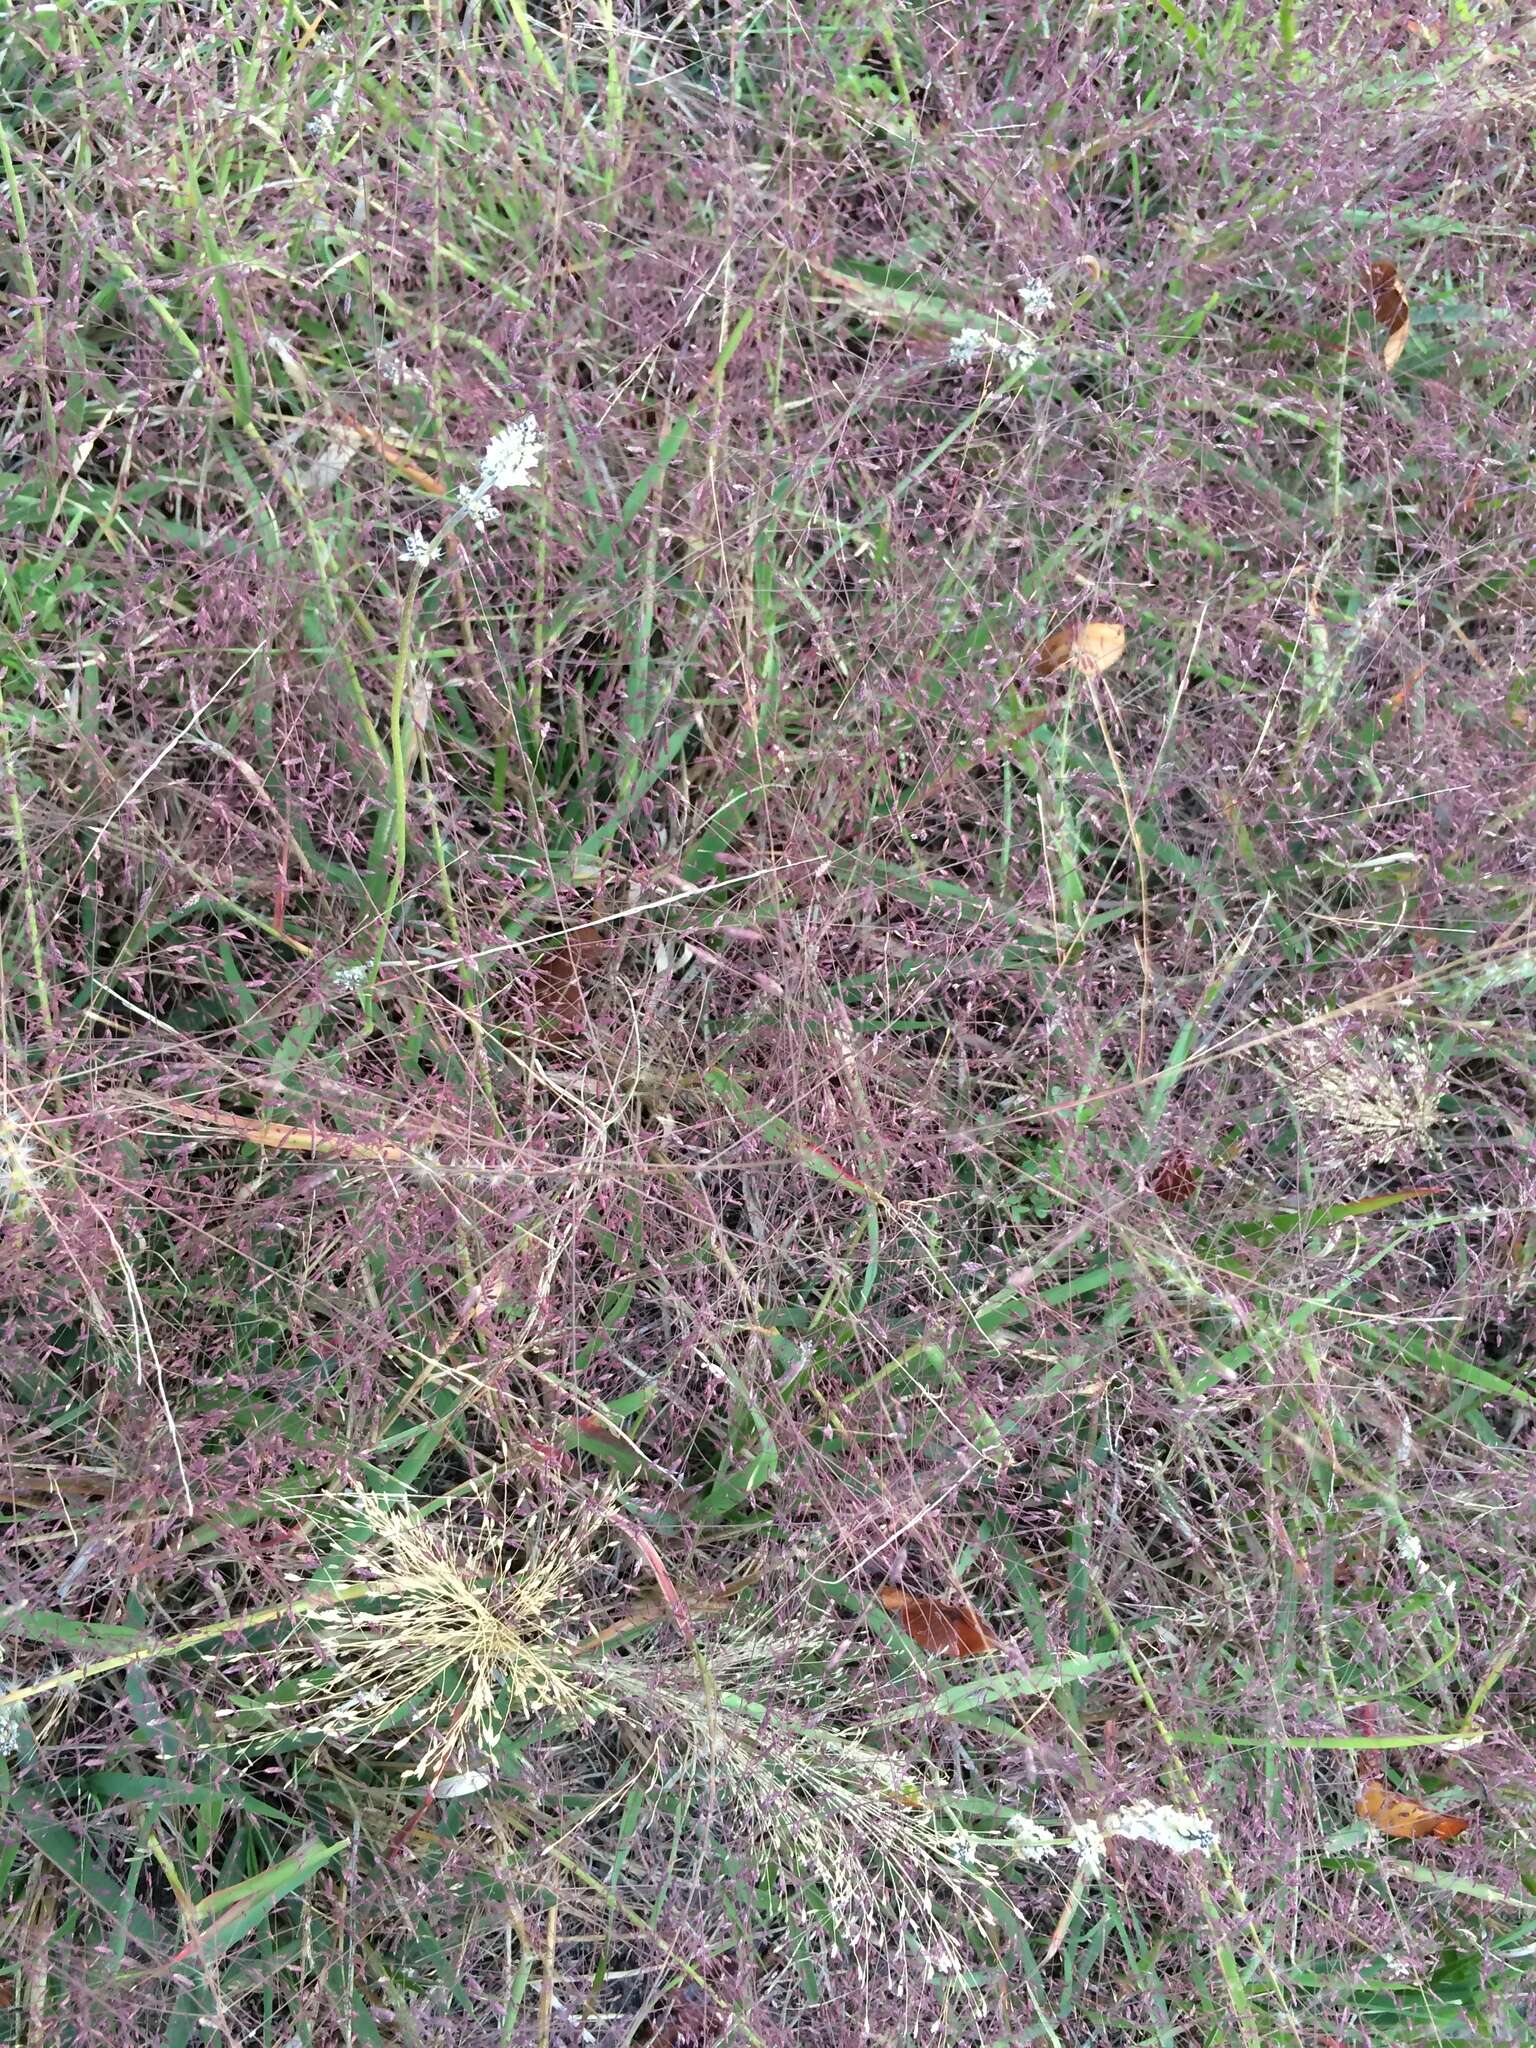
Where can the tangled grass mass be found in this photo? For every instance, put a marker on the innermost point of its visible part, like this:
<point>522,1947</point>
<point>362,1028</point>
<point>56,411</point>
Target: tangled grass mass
<point>768,1083</point>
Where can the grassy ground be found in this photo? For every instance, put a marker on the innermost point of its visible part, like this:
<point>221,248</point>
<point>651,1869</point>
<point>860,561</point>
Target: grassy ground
<point>590,1106</point>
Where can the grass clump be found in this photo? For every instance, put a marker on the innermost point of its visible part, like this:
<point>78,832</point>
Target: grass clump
<point>766,784</point>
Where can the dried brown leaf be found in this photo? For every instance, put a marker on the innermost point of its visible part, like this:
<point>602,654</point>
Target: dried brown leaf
<point>947,1628</point>
<point>1099,646</point>
<point>1093,645</point>
<point>1406,1819</point>
<point>1389,302</point>
<point>1056,651</point>
<point>1175,1178</point>
<point>559,982</point>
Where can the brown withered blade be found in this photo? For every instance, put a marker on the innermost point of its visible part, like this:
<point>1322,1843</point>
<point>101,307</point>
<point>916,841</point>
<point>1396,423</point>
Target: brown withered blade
<point>946,1628</point>
<point>1408,1820</point>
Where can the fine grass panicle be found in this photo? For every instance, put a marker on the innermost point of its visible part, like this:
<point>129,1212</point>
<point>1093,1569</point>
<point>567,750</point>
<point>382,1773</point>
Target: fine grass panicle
<point>448,1647</point>
<point>858,1847</point>
<point>767,1061</point>
<point>1368,1096</point>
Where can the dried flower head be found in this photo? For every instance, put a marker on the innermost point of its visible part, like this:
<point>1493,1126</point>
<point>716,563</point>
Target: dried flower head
<point>331,464</point>
<point>448,1647</point>
<point>1372,1095</point>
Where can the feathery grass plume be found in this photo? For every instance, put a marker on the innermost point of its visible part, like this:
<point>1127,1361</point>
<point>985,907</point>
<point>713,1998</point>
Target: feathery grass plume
<point>860,1845</point>
<point>451,1647</point>
<point>18,1166</point>
<point>1371,1093</point>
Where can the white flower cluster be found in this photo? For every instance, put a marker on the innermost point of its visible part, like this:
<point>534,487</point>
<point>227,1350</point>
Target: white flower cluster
<point>1165,1827</point>
<point>12,1720</point>
<point>1411,1551</point>
<point>322,126</point>
<point>974,344</point>
<point>510,463</point>
<point>399,374</point>
<point>476,507</point>
<point>1035,298</point>
<point>1085,1838</point>
<point>512,458</point>
<point>418,551</point>
<point>1029,1842</point>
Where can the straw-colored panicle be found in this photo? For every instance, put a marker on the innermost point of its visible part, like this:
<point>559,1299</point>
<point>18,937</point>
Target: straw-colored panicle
<point>1369,1095</point>
<point>845,1827</point>
<point>450,1648</point>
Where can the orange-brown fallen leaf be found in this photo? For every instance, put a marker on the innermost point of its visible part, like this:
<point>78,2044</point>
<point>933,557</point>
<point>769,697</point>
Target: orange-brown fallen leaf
<point>1406,1819</point>
<point>397,458</point>
<point>1093,645</point>
<point>1175,1178</point>
<point>1389,302</point>
<point>947,1628</point>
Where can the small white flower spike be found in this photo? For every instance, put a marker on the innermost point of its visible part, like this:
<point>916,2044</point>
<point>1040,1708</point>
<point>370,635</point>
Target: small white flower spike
<point>1035,298</point>
<point>512,458</point>
<point>1028,1841</point>
<point>1165,1827</point>
<point>1085,1838</point>
<point>478,509</point>
<point>418,551</point>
